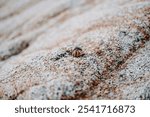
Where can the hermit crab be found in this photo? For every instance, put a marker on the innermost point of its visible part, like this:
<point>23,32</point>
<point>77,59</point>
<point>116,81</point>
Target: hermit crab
<point>77,52</point>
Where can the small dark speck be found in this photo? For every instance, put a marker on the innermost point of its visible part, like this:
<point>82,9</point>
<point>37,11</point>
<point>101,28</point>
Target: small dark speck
<point>121,75</point>
<point>122,33</point>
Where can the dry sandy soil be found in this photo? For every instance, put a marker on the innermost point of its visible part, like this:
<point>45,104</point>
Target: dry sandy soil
<point>75,49</point>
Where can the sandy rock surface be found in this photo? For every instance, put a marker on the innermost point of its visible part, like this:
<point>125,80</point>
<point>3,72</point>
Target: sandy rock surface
<point>75,49</point>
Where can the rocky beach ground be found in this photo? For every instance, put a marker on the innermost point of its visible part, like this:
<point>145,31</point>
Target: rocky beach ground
<point>75,49</point>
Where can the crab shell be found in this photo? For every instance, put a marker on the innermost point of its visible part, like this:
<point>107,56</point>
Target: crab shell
<point>77,52</point>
